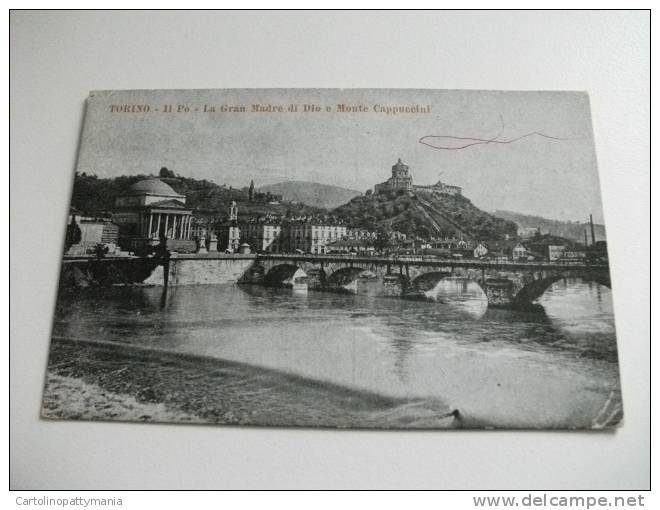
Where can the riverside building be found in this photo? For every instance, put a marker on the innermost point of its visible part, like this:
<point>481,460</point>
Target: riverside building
<point>152,211</point>
<point>311,236</point>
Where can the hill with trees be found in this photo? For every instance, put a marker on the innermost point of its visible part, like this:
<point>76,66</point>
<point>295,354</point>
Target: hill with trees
<point>424,214</point>
<point>420,213</point>
<point>573,230</point>
<point>96,196</point>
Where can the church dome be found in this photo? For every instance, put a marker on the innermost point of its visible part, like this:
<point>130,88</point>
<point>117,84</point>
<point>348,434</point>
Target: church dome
<point>400,167</point>
<point>154,187</point>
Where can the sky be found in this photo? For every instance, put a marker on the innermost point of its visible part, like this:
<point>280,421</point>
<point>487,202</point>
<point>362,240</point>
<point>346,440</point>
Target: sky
<point>528,152</point>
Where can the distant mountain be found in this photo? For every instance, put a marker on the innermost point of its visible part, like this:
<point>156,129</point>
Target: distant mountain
<point>424,214</point>
<point>312,193</point>
<point>573,230</point>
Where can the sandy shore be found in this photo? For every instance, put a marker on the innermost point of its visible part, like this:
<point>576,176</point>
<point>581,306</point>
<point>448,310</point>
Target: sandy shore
<point>103,381</point>
<point>69,398</point>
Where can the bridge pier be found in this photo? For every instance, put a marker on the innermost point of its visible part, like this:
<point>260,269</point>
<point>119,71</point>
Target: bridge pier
<point>499,292</point>
<point>255,274</point>
<point>506,285</point>
<point>394,285</point>
<point>316,278</point>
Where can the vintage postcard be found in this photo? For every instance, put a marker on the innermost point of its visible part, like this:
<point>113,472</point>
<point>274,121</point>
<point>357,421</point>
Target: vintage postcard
<point>363,258</point>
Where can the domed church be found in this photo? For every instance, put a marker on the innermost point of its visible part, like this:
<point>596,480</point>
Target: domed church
<point>151,211</point>
<point>400,179</point>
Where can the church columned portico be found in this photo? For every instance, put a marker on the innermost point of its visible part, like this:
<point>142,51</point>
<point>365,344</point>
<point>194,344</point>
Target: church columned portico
<point>156,224</point>
<point>151,211</point>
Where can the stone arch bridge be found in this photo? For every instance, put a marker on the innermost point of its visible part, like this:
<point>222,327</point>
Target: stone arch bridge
<point>505,284</point>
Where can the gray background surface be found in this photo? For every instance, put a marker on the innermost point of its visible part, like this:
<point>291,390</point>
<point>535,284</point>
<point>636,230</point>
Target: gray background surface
<point>57,58</point>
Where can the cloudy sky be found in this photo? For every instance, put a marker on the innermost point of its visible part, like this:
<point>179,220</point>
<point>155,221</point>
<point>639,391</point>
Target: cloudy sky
<point>472,139</point>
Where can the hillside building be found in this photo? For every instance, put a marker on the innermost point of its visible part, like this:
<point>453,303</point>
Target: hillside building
<point>480,251</point>
<point>528,232</point>
<point>360,233</point>
<point>519,252</point>
<point>440,187</point>
<point>364,246</point>
<point>402,180</point>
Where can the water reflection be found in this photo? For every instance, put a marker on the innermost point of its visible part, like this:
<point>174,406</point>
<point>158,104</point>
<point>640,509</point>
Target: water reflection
<point>499,364</point>
<point>583,313</point>
<point>461,294</point>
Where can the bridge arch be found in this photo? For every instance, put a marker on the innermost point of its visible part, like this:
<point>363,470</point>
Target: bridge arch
<point>427,281</point>
<point>421,286</point>
<point>343,278</point>
<point>284,275</point>
<point>505,284</point>
<point>532,291</point>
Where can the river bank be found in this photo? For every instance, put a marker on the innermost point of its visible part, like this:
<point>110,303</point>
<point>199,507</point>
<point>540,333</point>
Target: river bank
<point>69,398</point>
<point>100,381</point>
<point>243,354</point>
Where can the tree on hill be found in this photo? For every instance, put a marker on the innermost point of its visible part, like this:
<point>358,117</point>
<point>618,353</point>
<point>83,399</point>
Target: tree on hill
<point>165,173</point>
<point>424,214</point>
<point>73,235</point>
<point>96,196</point>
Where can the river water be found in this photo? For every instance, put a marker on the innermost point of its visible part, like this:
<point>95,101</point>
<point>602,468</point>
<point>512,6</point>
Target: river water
<point>555,367</point>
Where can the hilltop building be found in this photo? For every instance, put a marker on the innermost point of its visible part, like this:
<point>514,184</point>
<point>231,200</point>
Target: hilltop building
<point>440,187</point>
<point>402,180</point>
<point>262,197</point>
<point>152,211</point>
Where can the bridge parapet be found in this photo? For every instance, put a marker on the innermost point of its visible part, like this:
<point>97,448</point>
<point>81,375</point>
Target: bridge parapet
<point>428,261</point>
<point>505,284</point>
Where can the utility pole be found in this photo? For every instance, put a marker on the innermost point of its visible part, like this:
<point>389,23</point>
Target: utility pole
<point>585,238</point>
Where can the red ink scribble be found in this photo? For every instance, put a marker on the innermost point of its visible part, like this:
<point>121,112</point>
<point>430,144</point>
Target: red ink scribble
<point>465,142</point>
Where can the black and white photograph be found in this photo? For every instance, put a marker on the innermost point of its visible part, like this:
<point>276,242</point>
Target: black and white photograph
<point>409,259</point>
<point>334,249</point>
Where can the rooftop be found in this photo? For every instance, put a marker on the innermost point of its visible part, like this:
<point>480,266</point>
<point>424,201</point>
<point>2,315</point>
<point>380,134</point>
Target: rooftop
<point>352,242</point>
<point>400,166</point>
<point>167,204</point>
<point>154,187</point>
